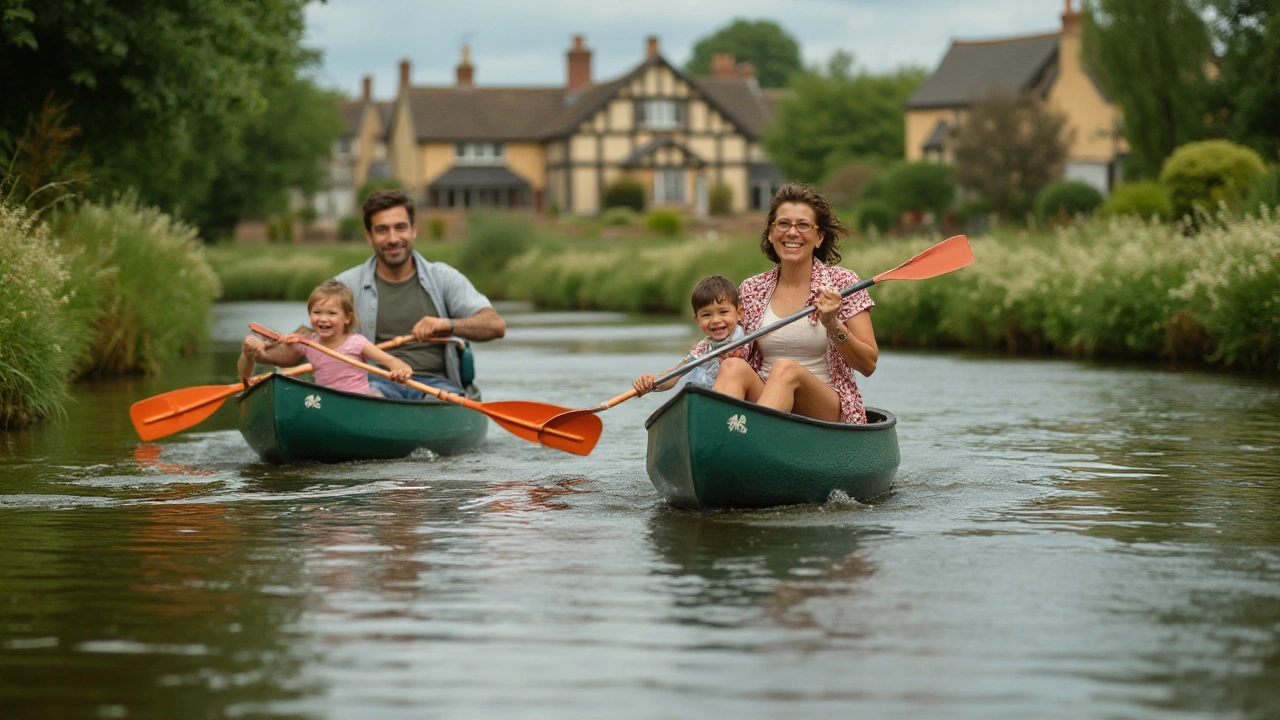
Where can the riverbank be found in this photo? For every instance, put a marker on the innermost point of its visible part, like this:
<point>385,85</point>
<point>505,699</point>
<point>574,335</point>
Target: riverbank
<point>1115,288</point>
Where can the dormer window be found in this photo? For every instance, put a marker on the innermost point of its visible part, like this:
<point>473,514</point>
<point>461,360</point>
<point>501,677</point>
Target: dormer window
<point>480,153</point>
<point>660,114</point>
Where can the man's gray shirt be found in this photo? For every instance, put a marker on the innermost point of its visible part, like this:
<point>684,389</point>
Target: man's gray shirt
<point>452,293</point>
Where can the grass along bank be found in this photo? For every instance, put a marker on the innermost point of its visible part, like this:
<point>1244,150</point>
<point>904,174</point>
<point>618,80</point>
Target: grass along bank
<point>1117,287</point>
<point>100,289</point>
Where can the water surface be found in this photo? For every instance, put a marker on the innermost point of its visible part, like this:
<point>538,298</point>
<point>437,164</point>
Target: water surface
<point>1064,540</point>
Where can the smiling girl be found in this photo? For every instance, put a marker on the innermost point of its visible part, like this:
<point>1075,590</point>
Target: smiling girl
<point>331,308</point>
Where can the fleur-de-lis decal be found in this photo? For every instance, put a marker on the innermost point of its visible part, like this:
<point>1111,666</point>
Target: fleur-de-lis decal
<point>738,424</point>
<point>313,401</point>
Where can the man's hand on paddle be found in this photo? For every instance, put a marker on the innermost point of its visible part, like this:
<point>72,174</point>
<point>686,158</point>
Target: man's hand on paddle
<point>429,327</point>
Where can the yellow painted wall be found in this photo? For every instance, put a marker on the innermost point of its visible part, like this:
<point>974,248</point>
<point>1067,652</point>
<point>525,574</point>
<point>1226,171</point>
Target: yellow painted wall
<point>622,115</point>
<point>1092,118</point>
<point>437,158</point>
<point>583,148</point>
<point>919,124</point>
<point>528,161</point>
<point>616,148</point>
<point>404,148</point>
<point>586,194</point>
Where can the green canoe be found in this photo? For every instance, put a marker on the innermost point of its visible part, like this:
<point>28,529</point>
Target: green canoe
<point>708,451</point>
<point>288,420</point>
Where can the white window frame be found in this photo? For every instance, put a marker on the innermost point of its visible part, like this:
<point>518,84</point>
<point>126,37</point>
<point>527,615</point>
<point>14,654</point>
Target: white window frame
<point>662,114</point>
<point>669,185</point>
<point>480,153</point>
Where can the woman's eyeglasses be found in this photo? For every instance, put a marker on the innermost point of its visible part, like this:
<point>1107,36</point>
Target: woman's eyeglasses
<point>802,227</point>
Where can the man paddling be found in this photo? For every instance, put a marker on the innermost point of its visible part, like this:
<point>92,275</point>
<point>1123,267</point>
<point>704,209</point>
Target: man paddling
<point>399,292</point>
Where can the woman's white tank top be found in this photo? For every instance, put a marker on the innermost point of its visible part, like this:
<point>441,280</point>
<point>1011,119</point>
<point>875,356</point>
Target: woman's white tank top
<point>799,341</point>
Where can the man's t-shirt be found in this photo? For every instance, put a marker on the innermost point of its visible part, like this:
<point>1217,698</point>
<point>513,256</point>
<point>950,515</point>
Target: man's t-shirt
<point>400,306</point>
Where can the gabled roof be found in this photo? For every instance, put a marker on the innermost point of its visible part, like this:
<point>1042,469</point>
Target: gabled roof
<point>739,99</point>
<point>972,71</point>
<point>352,114</point>
<point>646,151</point>
<point>479,113</point>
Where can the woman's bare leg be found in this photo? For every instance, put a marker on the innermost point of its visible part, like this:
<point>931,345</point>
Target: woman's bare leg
<point>737,379</point>
<point>791,388</point>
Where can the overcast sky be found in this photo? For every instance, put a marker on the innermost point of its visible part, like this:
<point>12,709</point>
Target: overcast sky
<point>523,42</point>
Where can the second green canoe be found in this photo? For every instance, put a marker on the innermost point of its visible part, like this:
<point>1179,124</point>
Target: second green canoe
<point>709,451</point>
<point>288,420</point>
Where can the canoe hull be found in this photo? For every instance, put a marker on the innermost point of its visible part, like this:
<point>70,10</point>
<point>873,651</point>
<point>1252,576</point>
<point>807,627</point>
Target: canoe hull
<point>287,420</point>
<point>708,451</point>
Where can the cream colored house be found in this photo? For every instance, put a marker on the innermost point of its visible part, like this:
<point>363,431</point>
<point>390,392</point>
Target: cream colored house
<point>1048,67</point>
<point>359,154</point>
<point>467,146</point>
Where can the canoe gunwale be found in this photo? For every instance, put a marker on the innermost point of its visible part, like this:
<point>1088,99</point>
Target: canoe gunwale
<point>889,419</point>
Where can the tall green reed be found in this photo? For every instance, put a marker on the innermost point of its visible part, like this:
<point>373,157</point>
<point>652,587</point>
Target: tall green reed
<point>153,286</point>
<point>40,345</point>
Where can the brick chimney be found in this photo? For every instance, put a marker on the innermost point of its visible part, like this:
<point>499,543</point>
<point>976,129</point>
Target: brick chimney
<point>1070,20</point>
<point>466,73</point>
<point>579,65</point>
<point>404,72</point>
<point>366,91</point>
<point>722,65</point>
<point>651,50</point>
<point>746,70</point>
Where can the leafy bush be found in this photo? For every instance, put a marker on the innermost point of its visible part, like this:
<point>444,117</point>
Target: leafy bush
<point>721,201</point>
<point>435,228</point>
<point>492,241</point>
<point>919,187</point>
<point>1204,174</point>
<point>1144,199</point>
<point>624,192</point>
<point>156,287</point>
<point>1060,201</point>
<point>977,210</point>
<point>371,185</point>
<point>664,221</point>
<point>874,214</point>
<point>845,186</point>
<point>1265,194</point>
<point>619,217</point>
<point>351,227</point>
<point>39,340</point>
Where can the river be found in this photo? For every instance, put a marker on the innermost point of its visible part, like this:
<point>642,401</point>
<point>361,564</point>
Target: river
<point>1063,540</point>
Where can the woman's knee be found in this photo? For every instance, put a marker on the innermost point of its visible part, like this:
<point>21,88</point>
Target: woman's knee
<point>787,370</point>
<point>735,367</point>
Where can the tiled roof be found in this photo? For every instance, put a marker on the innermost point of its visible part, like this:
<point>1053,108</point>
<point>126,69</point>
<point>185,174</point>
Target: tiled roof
<point>972,71</point>
<point>352,113</point>
<point>479,113</point>
<point>461,176</point>
<point>740,99</point>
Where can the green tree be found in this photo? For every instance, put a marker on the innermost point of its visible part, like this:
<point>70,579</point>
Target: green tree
<point>775,54</point>
<point>1150,56</point>
<point>1009,148</point>
<point>162,91</point>
<point>1245,98</point>
<point>920,186</point>
<point>837,116</point>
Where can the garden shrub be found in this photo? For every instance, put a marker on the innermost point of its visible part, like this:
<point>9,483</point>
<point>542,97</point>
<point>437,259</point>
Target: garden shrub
<point>1204,174</point>
<point>435,228</point>
<point>371,185</point>
<point>1062,200</point>
<point>492,241</point>
<point>874,214</point>
<point>664,221</point>
<point>844,187</point>
<point>1144,199</point>
<point>619,217</point>
<point>624,192</point>
<point>721,201</point>
<point>350,228</point>
<point>1265,194</point>
<point>919,187</point>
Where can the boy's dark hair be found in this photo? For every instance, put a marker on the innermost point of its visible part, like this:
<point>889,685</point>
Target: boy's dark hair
<point>714,288</point>
<point>380,200</point>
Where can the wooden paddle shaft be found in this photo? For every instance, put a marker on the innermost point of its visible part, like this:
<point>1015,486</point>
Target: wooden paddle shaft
<point>437,393</point>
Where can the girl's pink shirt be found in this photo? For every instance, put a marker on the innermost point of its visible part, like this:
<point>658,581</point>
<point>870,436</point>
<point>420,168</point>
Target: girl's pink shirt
<point>333,373</point>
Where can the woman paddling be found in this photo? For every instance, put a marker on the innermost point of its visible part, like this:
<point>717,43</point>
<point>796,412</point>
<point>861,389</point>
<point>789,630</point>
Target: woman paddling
<point>805,367</point>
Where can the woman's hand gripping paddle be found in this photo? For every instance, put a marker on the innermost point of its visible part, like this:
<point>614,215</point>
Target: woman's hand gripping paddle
<point>948,255</point>
<point>522,418</point>
<point>176,410</point>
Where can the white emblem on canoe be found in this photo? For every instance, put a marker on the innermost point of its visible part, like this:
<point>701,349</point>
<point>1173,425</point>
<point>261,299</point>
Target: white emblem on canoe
<point>738,424</point>
<point>313,401</point>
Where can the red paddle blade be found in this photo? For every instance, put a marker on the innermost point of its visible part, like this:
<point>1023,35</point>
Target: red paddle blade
<point>950,254</point>
<point>177,410</point>
<point>526,420</point>
<point>574,422</point>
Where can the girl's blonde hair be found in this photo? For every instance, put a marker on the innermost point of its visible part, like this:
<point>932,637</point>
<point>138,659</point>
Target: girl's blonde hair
<point>334,289</point>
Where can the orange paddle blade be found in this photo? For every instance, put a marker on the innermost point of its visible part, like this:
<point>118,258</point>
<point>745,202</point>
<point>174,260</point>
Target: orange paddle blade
<point>178,410</point>
<point>526,420</point>
<point>950,254</point>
